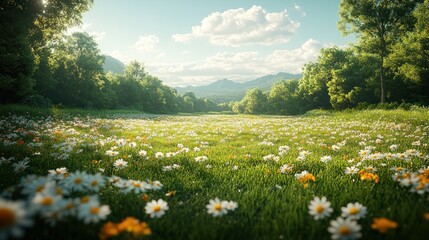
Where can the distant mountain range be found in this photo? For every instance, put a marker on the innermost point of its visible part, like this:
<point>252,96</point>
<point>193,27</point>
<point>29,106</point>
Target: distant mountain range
<point>113,65</point>
<point>227,90</point>
<point>223,90</point>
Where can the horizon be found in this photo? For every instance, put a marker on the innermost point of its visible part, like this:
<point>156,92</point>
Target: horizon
<point>235,40</point>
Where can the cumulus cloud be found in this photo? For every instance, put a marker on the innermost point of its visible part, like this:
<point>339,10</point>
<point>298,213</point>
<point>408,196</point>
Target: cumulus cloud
<point>237,66</point>
<point>237,27</point>
<point>147,43</point>
<point>98,36</point>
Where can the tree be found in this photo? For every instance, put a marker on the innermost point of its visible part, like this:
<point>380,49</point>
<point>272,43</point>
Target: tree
<point>255,102</point>
<point>378,24</point>
<point>283,97</point>
<point>27,26</point>
<point>78,69</point>
<point>410,60</point>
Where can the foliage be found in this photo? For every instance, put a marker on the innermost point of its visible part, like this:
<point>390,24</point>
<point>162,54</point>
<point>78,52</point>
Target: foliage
<point>378,24</point>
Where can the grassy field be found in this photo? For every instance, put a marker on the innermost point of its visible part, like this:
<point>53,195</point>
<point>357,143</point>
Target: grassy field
<point>271,167</point>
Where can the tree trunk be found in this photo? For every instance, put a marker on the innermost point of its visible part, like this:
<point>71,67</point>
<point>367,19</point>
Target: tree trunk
<point>382,80</point>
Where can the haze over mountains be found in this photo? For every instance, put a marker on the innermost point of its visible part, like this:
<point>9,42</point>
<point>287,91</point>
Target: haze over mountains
<point>227,90</point>
<point>223,90</point>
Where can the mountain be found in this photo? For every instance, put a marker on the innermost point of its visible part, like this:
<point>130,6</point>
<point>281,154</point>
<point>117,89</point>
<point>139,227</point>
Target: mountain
<point>226,90</point>
<point>112,64</point>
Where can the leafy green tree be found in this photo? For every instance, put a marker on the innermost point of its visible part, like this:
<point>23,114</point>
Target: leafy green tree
<point>255,102</point>
<point>410,60</point>
<point>283,98</point>
<point>27,26</point>
<point>78,69</point>
<point>350,81</point>
<point>378,24</point>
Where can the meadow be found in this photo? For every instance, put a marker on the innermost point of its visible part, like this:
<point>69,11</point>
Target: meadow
<point>107,175</point>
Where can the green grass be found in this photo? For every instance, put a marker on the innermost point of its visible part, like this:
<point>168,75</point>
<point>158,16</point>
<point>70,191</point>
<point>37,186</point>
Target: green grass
<point>270,205</point>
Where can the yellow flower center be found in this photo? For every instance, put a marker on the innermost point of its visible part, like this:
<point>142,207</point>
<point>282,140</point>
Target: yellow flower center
<point>218,207</point>
<point>40,188</point>
<point>47,201</point>
<point>78,180</point>
<point>344,230</point>
<point>320,209</point>
<point>156,208</point>
<point>94,210</point>
<point>7,217</point>
<point>136,184</point>
<point>354,211</point>
<point>84,199</point>
<point>94,183</point>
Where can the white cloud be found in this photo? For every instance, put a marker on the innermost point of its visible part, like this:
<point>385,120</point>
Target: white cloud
<point>98,36</point>
<point>237,27</point>
<point>238,66</point>
<point>147,43</point>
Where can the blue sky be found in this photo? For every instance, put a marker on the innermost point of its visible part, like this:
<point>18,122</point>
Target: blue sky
<point>195,42</point>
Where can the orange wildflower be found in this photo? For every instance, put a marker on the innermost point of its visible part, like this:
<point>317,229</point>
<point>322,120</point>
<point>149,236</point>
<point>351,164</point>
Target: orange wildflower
<point>426,216</point>
<point>368,176</point>
<point>108,230</point>
<point>383,225</point>
<point>129,225</point>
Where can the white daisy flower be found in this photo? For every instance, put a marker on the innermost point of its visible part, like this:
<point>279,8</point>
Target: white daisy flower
<point>201,158</point>
<point>352,170</point>
<point>344,229</point>
<point>354,211</point>
<point>142,153</point>
<point>320,208</point>
<point>159,155</point>
<point>326,159</point>
<point>286,168</point>
<point>13,217</point>
<point>156,208</point>
<point>217,208</point>
<point>93,212</point>
<point>120,164</point>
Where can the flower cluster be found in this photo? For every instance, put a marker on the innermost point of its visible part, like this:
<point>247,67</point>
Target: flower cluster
<point>218,208</point>
<point>305,177</point>
<point>130,227</point>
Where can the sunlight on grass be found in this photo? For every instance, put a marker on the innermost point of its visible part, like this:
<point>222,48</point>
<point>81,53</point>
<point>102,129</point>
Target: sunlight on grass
<point>109,174</point>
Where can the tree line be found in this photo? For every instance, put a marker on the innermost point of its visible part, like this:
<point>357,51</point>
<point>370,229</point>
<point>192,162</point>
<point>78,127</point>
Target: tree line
<point>40,65</point>
<point>389,64</point>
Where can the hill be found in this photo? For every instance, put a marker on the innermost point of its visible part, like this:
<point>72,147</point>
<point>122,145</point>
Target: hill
<point>113,65</point>
<point>225,90</point>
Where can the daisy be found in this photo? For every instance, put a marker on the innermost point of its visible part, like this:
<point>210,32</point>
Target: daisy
<point>217,207</point>
<point>77,181</point>
<point>156,208</point>
<point>231,206</point>
<point>20,166</point>
<point>155,185</point>
<point>201,158</point>
<point>111,153</point>
<point>393,147</point>
<point>326,159</point>
<point>159,155</point>
<point>142,153</point>
<point>93,212</point>
<point>286,168</point>
<point>58,171</point>
<point>354,211</point>
<point>96,182</point>
<point>320,208</point>
<point>137,186</point>
<point>344,229</point>
<point>13,217</point>
<point>352,170</point>
<point>120,164</point>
